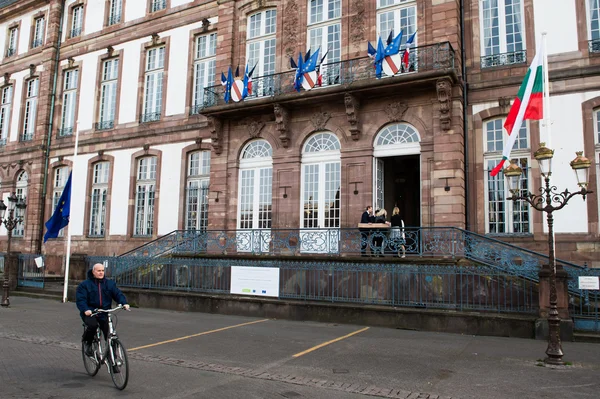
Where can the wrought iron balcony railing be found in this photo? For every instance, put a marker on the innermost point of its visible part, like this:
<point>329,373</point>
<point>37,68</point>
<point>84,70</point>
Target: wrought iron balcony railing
<point>105,125</point>
<point>75,32</point>
<point>2,141</point>
<point>26,137</point>
<point>37,43</point>
<point>494,60</point>
<point>150,117</point>
<point>114,19</point>
<point>196,108</point>
<point>422,59</point>
<point>10,51</point>
<point>594,46</point>
<point>158,5</point>
<point>65,131</point>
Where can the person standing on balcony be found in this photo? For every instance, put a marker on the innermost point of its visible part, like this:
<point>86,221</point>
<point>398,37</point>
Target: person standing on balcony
<point>397,236</point>
<point>366,218</point>
<point>380,217</point>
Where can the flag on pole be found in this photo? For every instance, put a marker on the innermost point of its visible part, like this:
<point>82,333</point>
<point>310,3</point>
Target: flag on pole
<point>406,55</point>
<point>60,217</point>
<point>527,105</point>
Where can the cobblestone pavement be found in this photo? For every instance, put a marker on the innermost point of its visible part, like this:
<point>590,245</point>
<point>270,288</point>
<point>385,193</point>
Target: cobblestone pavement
<point>228,357</point>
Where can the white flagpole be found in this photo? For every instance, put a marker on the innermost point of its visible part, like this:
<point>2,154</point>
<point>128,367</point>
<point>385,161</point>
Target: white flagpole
<point>68,262</point>
<point>547,121</point>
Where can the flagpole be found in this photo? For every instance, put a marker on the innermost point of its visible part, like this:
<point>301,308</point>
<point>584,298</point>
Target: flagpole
<point>68,261</point>
<point>547,121</point>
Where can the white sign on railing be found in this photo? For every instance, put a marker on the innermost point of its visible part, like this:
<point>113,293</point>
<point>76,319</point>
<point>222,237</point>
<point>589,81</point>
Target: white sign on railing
<point>589,283</point>
<point>261,281</point>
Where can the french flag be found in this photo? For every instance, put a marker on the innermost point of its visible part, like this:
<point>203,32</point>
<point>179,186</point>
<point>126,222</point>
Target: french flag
<point>405,56</point>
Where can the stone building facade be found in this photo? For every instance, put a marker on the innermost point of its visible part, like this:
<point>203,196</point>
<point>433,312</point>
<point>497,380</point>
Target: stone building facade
<point>159,150</point>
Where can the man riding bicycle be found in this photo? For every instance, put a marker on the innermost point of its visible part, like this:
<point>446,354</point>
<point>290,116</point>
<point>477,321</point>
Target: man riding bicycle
<point>97,293</point>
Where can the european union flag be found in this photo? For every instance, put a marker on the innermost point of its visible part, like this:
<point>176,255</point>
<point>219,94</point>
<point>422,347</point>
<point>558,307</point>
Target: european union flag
<point>60,217</point>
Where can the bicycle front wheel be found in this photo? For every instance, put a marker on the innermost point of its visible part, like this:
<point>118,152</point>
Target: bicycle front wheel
<point>119,368</point>
<point>91,363</point>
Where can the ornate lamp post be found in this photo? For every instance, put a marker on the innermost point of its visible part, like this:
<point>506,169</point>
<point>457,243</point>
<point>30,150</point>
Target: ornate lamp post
<point>10,222</point>
<point>550,200</point>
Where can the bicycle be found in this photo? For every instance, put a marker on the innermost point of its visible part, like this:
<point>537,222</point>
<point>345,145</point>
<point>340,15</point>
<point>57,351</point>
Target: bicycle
<point>114,355</point>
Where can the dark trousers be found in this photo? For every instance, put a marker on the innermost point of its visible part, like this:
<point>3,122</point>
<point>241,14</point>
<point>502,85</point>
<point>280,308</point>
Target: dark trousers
<point>91,325</point>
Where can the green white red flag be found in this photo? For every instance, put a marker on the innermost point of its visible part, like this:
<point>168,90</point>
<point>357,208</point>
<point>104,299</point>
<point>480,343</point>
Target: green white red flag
<point>527,105</point>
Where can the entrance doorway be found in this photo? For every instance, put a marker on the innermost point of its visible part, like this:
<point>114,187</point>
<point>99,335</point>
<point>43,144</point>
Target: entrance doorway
<point>398,183</point>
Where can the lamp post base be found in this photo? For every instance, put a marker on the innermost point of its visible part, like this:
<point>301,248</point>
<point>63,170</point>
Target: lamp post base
<point>554,361</point>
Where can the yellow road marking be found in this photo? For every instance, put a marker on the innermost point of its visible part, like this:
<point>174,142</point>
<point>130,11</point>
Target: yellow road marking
<point>314,348</point>
<point>195,335</point>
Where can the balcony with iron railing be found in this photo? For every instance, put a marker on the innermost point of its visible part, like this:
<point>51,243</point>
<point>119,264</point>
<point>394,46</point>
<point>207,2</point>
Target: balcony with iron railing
<point>594,46</point>
<point>2,141</point>
<point>26,137</point>
<point>426,63</point>
<point>114,19</point>
<point>494,60</point>
<point>75,32</point>
<point>105,125</point>
<point>158,5</point>
<point>37,43</point>
<point>10,51</point>
<point>149,117</point>
<point>65,132</point>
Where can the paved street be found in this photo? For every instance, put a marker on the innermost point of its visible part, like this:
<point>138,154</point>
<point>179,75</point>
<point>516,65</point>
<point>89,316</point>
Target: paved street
<point>196,355</point>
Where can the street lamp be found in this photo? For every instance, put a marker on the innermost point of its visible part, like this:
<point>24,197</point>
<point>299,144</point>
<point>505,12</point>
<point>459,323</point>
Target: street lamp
<point>10,222</point>
<point>544,202</point>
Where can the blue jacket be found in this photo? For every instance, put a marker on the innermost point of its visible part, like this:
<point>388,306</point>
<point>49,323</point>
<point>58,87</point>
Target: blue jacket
<point>88,297</point>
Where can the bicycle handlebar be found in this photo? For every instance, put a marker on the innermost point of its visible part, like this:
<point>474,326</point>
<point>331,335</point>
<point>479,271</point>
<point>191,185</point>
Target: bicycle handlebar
<point>95,312</point>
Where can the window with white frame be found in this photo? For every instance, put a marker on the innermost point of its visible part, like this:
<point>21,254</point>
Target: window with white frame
<point>5,108</point>
<point>31,101</point>
<point>67,121</point>
<point>395,16</point>
<point>597,149</point>
<point>99,196</point>
<point>39,29</point>
<point>204,67</point>
<point>504,216</point>
<point>21,192</point>
<point>144,196</point>
<point>157,5</point>
<point>60,180</point>
<point>260,50</point>
<point>196,192</point>
<point>13,36</point>
<point>324,30</point>
<point>502,32</point>
<point>108,94</point>
<point>255,186</point>
<point>321,179</point>
<point>77,21</point>
<point>153,84</point>
<point>115,12</point>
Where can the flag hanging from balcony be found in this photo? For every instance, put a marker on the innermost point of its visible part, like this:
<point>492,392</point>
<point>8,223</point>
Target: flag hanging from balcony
<point>406,55</point>
<point>62,213</point>
<point>527,105</point>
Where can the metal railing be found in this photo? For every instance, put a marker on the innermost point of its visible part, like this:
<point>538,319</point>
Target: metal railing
<point>114,19</point>
<point>65,131</point>
<point>26,136</point>
<point>467,288</point>
<point>76,31</point>
<point>594,46</point>
<point>584,305</point>
<point>10,51</point>
<point>37,43</point>
<point>2,141</point>
<point>105,125</point>
<point>158,5</point>
<point>425,58</point>
<point>150,117</point>
<point>30,273</point>
<point>516,57</point>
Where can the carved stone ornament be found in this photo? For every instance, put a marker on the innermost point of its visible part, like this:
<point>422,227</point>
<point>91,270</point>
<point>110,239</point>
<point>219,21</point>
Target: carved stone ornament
<point>31,69</point>
<point>395,111</point>
<point>6,78</point>
<point>444,94</point>
<point>71,62</point>
<point>352,112</point>
<point>155,39</point>
<point>198,141</point>
<point>100,153</point>
<point>357,24</point>
<point>110,50</point>
<point>146,147</point>
<point>253,127</point>
<point>205,24</point>
<point>504,104</point>
<point>282,119</point>
<point>215,125</point>
<point>290,28</point>
<point>319,120</point>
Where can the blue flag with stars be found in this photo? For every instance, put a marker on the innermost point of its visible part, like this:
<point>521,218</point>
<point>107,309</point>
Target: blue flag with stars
<point>60,217</point>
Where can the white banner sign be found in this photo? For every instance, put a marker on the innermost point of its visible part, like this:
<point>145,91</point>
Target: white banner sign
<point>589,283</point>
<point>261,281</point>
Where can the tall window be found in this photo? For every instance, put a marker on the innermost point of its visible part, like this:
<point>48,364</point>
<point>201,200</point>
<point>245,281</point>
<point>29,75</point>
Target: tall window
<point>67,121</point>
<point>256,181</point>
<point>260,49</point>
<point>321,179</point>
<point>502,39</point>
<point>31,100</point>
<point>396,15</point>
<point>144,196</point>
<point>5,108</point>
<point>597,152</point>
<point>504,216</point>
<point>115,12</point>
<point>157,5</point>
<point>196,192</point>
<point>108,94</point>
<point>98,201</point>
<point>204,68</point>
<point>38,32</point>
<point>324,27</point>
<point>21,192</point>
<point>77,21</point>
<point>60,179</point>
<point>13,36</point>
<point>153,84</point>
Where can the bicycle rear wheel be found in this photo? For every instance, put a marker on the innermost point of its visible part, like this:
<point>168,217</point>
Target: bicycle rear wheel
<point>91,364</point>
<point>119,370</point>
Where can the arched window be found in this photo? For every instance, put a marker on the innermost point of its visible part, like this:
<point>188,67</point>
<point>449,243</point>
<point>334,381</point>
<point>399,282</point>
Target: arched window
<point>255,187</point>
<point>198,179</point>
<point>397,139</point>
<point>21,192</point>
<point>321,181</point>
